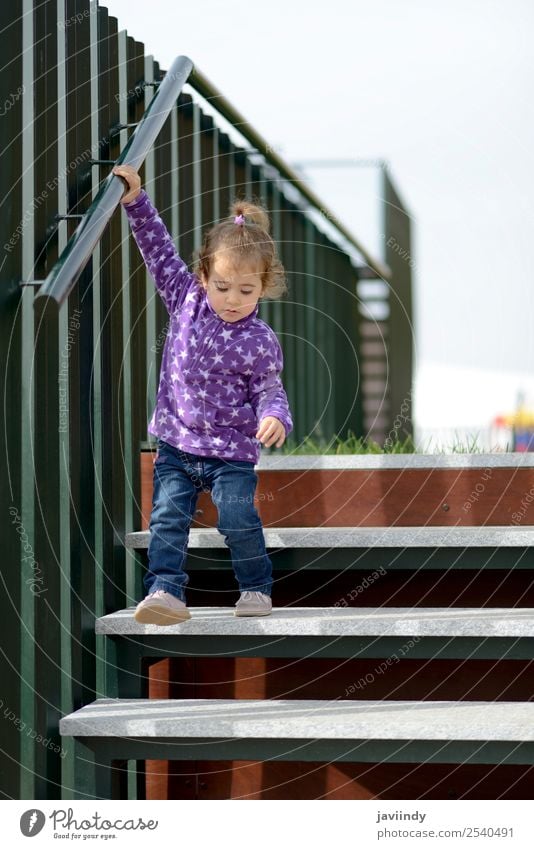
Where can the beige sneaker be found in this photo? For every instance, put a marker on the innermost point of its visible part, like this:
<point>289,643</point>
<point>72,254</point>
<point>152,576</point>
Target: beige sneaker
<point>161,608</point>
<point>253,603</point>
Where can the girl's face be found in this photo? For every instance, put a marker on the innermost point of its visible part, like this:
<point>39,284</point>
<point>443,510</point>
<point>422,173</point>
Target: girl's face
<point>232,292</point>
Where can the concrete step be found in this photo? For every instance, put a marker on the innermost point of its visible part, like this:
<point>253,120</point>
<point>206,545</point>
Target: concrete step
<point>285,729</point>
<point>356,633</point>
<point>379,537</point>
<point>336,622</point>
<point>304,462</point>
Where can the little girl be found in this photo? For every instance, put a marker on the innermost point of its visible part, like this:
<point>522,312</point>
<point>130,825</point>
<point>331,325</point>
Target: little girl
<point>220,395</point>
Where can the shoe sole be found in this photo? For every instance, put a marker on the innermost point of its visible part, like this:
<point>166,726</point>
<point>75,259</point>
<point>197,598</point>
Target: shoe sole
<point>158,614</point>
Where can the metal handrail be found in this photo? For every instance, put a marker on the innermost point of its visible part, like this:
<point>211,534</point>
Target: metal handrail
<point>77,252</point>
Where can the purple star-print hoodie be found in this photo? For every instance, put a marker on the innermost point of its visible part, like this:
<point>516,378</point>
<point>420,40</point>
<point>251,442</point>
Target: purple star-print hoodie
<point>218,379</point>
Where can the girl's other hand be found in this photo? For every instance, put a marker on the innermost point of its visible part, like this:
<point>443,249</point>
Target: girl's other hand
<point>271,430</point>
<point>132,180</point>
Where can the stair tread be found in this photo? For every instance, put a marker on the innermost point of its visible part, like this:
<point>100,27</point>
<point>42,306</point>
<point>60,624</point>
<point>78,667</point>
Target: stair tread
<point>337,621</point>
<point>308,462</point>
<point>377,537</point>
<point>303,719</point>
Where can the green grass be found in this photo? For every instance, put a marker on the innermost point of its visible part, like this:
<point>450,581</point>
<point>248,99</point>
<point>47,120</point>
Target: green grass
<point>360,445</point>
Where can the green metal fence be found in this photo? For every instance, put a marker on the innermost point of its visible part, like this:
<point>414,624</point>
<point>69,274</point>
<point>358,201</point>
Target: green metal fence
<point>80,381</point>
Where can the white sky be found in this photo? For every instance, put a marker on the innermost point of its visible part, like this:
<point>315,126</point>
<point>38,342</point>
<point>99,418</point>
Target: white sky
<point>441,91</point>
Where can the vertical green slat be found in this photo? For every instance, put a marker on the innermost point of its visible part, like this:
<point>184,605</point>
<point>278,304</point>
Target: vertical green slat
<point>197,178</point>
<point>278,307</point>
<point>292,368</point>
<point>310,324</point>
<point>66,123</point>
<point>355,335</point>
<point>258,194</point>
<point>185,166</point>
<point>231,171</point>
<point>151,294</point>
<point>206,168</point>
<point>342,398</point>
<point>398,255</point>
<point>130,493</point>
<point>83,565</point>
<point>335,338</point>
<point>138,285</point>
<point>302,351</point>
<point>175,179</point>
<point>216,175</point>
<point>290,358</point>
<point>331,332</point>
<point>106,567</point>
<point>162,198</point>
<point>76,470</point>
<point>76,333</point>
<point>26,507</point>
<point>323,378</point>
<point>351,374</point>
<point>112,483</point>
<point>97,132</point>
<point>116,327</point>
<point>13,779</point>
<point>223,147</point>
<point>240,174</point>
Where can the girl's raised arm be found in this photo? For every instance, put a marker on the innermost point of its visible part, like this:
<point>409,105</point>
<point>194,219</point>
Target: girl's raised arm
<point>169,271</point>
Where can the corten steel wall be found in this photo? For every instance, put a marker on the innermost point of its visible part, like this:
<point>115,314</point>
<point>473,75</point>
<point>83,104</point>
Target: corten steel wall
<point>78,389</point>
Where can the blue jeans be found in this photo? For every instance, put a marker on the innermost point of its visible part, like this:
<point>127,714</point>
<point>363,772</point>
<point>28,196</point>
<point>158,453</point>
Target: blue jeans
<point>178,478</point>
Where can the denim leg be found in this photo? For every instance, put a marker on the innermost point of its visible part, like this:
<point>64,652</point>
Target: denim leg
<point>233,484</point>
<point>173,507</point>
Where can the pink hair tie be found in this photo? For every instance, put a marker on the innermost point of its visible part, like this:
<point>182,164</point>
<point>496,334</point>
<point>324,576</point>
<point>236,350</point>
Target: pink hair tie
<point>239,219</point>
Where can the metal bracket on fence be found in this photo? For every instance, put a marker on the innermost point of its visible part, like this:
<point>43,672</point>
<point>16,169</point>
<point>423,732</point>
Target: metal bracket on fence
<point>118,127</point>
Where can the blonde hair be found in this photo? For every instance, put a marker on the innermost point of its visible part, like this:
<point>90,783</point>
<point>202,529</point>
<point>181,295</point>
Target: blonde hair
<point>249,243</point>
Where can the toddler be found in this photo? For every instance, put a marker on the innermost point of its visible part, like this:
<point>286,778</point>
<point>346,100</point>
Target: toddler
<point>220,395</point>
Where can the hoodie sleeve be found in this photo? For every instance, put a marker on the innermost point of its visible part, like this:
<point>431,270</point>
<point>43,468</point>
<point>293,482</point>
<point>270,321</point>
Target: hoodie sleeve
<point>267,395</point>
<point>169,272</point>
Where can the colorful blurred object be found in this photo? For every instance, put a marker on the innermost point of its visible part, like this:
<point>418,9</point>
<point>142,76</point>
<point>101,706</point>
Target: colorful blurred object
<point>521,424</point>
